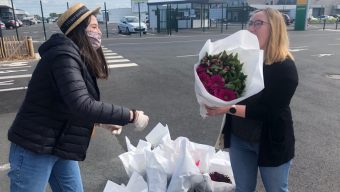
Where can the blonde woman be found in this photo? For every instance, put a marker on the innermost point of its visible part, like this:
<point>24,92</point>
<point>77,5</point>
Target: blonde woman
<point>259,130</point>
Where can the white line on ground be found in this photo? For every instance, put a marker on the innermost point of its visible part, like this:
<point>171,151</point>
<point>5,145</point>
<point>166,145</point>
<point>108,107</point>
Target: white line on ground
<point>16,76</point>
<point>113,57</point>
<point>13,89</point>
<point>323,55</point>
<point>14,67</point>
<point>187,56</point>
<point>107,51</point>
<point>12,71</point>
<point>107,54</point>
<point>15,64</point>
<point>5,167</point>
<point>122,65</point>
<point>297,50</point>
<point>4,83</point>
<point>117,60</point>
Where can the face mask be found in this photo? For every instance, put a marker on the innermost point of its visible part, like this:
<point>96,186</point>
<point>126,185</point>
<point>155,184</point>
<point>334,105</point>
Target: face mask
<point>95,39</point>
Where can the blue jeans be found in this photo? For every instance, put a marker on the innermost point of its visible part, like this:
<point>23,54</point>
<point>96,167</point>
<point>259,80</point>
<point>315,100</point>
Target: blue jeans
<point>30,172</point>
<point>244,161</point>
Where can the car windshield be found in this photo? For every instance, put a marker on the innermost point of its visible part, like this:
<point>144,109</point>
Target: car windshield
<point>132,19</point>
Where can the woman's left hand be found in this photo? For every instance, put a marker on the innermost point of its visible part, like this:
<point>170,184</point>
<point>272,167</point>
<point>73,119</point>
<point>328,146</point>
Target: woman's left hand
<point>114,129</point>
<point>213,111</point>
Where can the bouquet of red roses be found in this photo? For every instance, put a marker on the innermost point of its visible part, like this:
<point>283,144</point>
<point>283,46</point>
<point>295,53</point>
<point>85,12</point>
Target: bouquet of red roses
<point>228,71</point>
<point>222,75</point>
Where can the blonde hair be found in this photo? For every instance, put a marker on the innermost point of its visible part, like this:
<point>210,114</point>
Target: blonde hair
<point>277,48</point>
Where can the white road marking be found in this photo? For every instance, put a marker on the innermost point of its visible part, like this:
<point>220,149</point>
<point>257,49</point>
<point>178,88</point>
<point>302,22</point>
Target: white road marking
<point>15,64</point>
<point>107,54</point>
<point>13,89</point>
<point>5,167</point>
<point>297,50</point>
<point>113,57</point>
<point>122,65</point>
<point>117,61</point>
<point>187,56</point>
<point>107,51</point>
<point>10,82</point>
<point>11,71</point>
<point>14,67</point>
<point>16,76</point>
<point>323,55</point>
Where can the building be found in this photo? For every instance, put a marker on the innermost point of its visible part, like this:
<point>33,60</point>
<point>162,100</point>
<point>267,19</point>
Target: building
<point>180,14</point>
<point>316,7</point>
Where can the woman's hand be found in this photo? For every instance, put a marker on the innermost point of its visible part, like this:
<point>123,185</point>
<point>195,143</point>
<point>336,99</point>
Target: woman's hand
<point>114,129</point>
<point>213,111</point>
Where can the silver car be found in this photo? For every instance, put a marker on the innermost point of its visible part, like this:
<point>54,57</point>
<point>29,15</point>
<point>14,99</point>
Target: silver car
<point>130,24</point>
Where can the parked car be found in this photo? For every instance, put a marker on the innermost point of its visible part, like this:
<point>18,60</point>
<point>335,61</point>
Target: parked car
<point>287,19</point>
<point>12,24</point>
<point>130,24</point>
<point>20,22</point>
<point>2,25</point>
<point>323,17</point>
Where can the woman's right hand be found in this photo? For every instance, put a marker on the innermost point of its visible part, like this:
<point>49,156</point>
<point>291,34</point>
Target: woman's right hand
<point>141,121</point>
<point>213,111</point>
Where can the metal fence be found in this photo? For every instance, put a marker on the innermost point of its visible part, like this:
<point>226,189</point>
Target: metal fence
<point>162,18</point>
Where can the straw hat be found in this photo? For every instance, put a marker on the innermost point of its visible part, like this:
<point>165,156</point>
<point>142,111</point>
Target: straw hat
<point>74,16</point>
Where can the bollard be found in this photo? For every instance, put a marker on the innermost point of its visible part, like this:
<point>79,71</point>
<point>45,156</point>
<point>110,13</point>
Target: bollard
<point>324,24</point>
<point>30,47</point>
<point>336,25</point>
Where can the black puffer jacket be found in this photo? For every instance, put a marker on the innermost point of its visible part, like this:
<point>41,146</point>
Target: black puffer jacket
<point>62,104</point>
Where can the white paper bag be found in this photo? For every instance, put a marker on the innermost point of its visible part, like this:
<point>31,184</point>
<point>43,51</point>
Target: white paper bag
<point>246,45</point>
<point>220,163</point>
<point>186,173</point>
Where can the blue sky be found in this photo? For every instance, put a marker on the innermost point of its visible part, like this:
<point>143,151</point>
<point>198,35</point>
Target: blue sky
<point>59,6</point>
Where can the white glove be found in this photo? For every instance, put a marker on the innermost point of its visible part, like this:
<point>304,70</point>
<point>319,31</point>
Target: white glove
<point>141,121</point>
<point>114,129</point>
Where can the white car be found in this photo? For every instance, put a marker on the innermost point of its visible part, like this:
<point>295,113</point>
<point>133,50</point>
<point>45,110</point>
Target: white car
<point>130,24</point>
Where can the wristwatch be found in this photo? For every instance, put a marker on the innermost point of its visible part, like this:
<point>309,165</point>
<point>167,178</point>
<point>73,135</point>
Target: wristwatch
<point>232,109</point>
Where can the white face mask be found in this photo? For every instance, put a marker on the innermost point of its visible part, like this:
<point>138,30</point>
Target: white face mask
<point>95,39</point>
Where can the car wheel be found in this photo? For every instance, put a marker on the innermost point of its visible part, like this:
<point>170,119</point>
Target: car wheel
<point>127,31</point>
<point>144,32</point>
<point>119,31</point>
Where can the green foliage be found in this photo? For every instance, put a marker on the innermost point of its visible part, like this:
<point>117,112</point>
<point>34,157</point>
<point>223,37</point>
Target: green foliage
<point>227,66</point>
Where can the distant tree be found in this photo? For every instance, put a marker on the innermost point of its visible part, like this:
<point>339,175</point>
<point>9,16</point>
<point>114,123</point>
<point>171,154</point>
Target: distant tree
<point>38,17</point>
<point>53,15</point>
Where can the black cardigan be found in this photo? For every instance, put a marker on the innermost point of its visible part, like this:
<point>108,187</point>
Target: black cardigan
<point>62,104</point>
<point>277,137</point>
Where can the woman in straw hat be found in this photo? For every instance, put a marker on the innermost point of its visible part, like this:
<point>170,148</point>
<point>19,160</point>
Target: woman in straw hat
<point>259,130</point>
<point>53,127</point>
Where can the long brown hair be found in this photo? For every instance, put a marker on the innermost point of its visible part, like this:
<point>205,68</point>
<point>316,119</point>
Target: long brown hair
<point>277,48</point>
<point>94,59</point>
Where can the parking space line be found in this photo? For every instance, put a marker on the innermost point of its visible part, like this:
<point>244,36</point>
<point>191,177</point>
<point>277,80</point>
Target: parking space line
<point>16,76</point>
<point>13,89</point>
<point>107,54</point>
<point>117,61</point>
<point>122,65</point>
<point>113,57</point>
